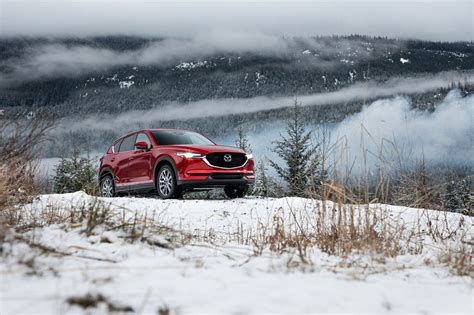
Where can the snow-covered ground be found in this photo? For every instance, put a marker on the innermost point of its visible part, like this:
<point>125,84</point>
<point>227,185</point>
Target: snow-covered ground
<point>202,256</point>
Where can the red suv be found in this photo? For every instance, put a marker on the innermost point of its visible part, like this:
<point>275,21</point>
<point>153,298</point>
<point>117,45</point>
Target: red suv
<point>170,162</point>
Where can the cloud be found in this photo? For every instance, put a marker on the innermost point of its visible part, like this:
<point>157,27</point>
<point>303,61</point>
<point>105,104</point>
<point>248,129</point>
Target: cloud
<point>404,135</point>
<point>223,107</point>
<point>433,20</point>
<point>52,60</point>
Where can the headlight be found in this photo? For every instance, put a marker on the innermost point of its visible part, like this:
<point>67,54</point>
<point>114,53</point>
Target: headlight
<point>249,156</point>
<point>190,155</point>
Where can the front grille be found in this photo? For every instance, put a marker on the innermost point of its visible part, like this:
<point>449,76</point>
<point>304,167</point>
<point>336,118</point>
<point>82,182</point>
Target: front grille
<point>227,176</point>
<point>218,160</point>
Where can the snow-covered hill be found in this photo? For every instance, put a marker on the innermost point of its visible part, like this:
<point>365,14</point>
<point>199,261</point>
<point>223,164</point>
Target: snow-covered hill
<point>204,256</point>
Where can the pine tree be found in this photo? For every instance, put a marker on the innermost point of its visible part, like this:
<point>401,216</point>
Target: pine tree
<point>262,186</point>
<point>74,174</point>
<point>265,185</point>
<point>242,141</point>
<point>297,153</point>
<point>457,196</point>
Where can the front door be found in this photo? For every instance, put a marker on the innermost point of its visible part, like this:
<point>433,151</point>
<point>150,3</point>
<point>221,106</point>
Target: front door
<point>125,151</point>
<point>140,165</point>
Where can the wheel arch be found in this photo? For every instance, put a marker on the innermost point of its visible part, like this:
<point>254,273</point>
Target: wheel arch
<point>164,160</point>
<point>105,171</point>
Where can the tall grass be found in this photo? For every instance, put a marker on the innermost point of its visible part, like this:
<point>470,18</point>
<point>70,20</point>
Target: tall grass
<point>19,149</point>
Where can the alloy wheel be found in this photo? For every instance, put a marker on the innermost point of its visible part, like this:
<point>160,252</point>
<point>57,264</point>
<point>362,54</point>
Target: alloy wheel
<point>165,182</point>
<point>107,187</point>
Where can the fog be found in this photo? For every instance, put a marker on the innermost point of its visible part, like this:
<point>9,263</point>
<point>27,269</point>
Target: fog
<point>53,59</point>
<point>223,107</point>
<point>388,133</point>
<point>445,20</point>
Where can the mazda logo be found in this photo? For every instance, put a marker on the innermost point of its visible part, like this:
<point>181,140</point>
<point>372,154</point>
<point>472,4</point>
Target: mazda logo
<point>227,158</point>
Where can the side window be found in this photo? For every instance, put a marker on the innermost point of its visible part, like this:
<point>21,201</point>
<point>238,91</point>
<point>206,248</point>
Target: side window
<point>143,137</point>
<point>128,143</point>
<point>116,146</point>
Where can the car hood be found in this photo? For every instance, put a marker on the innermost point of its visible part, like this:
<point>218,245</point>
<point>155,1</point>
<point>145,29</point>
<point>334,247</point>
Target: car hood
<point>206,149</point>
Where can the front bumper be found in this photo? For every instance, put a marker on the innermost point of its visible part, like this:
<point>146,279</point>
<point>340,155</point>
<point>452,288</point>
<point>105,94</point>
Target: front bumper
<point>196,173</point>
<point>210,182</point>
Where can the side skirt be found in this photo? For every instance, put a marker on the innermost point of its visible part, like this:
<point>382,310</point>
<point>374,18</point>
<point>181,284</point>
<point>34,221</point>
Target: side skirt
<point>140,187</point>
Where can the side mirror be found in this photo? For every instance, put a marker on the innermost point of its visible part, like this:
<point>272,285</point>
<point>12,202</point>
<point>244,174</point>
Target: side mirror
<point>141,145</point>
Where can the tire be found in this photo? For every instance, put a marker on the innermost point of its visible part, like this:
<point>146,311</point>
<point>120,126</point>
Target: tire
<point>166,184</point>
<point>107,186</point>
<point>236,191</point>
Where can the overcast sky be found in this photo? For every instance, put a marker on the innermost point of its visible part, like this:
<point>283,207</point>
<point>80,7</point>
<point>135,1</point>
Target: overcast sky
<point>446,20</point>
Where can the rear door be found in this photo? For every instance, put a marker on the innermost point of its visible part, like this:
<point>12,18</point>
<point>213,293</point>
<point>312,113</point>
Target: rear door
<point>122,172</point>
<point>140,168</point>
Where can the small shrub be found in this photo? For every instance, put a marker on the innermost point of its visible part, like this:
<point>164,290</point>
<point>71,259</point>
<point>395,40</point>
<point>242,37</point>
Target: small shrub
<point>74,174</point>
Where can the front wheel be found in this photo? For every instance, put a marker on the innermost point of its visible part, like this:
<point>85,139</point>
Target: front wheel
<point>166,184</point>
<point>107,186</point>
<point>236,191</point>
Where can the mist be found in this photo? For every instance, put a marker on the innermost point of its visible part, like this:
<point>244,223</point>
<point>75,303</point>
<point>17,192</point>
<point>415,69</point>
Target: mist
<point>59,60</point>
<point>441,20</point>
<point>222,107</point>
<point>51,58</point>
<point>388,133</point>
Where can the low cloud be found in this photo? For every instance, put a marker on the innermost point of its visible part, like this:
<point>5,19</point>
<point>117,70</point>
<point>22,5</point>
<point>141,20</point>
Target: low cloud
<point>53,58</point>
<point>223,107</point>
<point>443,20</point>
<point>390,133</point>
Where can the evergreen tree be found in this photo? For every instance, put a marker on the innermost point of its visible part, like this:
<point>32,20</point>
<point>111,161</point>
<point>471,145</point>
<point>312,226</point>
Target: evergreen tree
<point>457,196</point>
<point>242,141</point>
<point>265,185</point>
<point>262,185</point>
<point>297,153</point>
<point>74,174</point>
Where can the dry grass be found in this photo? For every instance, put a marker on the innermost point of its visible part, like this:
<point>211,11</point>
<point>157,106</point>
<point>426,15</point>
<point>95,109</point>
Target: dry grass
<point>346,226</point>
<point>19,142</point>
<point>459,261</point>
<point>336,230</point>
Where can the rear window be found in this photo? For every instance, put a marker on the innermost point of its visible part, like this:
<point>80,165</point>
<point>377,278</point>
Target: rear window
<point>172,137</point>
<point>128,143</point>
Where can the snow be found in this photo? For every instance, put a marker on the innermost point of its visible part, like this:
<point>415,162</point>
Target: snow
<point>126,84</point>
<point>113,78</point>
<point>259,78</point>
<point>191,65</point>
<point>403,60</point>
<point>214,272</point>
<point>352,75</point>
<point>306,52</point>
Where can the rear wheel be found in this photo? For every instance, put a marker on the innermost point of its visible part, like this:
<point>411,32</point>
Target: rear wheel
<point>107,186</point>
<point>236,191</point>
<point>166,184</point>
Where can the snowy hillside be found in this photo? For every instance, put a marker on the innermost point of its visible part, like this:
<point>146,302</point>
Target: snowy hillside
<point>149,256</point>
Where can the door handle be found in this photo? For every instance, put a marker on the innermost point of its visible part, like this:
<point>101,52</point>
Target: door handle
<point>130,159</point>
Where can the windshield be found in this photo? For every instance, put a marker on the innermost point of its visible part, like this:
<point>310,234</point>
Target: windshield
<point>172,137</point>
